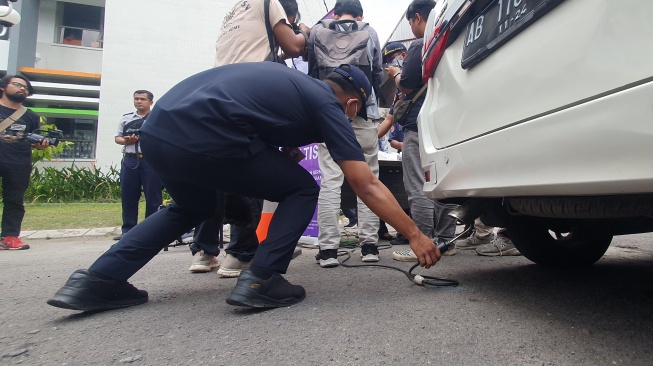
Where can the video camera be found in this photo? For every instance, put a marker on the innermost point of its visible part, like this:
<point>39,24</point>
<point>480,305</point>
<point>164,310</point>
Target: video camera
<point>133,131</point>
<point>16,132</point>
<point>37,137</point>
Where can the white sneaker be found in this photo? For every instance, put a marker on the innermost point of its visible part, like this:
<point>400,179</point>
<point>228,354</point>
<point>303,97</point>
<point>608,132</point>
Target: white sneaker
<point>231,267</point>
<point>500,247</point>
<point>203,262</point>
<point>404,256</point>
<point>473,242</point>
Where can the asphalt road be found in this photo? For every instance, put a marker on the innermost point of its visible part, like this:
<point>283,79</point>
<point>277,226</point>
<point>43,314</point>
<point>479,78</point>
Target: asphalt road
<point>506,311</point>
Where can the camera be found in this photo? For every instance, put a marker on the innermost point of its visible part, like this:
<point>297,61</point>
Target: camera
<point>8,16</point>
<point>38,136</point>
<point>133,131</point>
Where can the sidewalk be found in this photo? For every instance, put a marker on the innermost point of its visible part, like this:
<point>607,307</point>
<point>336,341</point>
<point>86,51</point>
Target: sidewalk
<point>68,233</point>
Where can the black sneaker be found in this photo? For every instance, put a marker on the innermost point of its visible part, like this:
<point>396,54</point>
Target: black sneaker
<point>86,292</point>
<point>399,240</point>
<point>327,258</point>
<point>274,292</point>
<point>369,253</point>
<point>351,225</point>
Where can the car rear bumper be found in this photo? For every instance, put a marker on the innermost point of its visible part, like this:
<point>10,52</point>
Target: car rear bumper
<point>601,146</point>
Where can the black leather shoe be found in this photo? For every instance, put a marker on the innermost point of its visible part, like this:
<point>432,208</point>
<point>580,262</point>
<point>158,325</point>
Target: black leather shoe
<point>86,292</point>
<point>274,292</point>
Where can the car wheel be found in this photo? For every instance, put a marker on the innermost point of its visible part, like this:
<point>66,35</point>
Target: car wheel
<point>558,242</point>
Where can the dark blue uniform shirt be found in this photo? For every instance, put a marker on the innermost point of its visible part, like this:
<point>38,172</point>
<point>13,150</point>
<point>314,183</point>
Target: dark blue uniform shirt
<point>229,111</point>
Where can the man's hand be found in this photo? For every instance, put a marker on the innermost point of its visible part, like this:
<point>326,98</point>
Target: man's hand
<point>42,145</point>
<point>131,139</point>
<point>392,71</point>
<point>305,28</point>
<point>427,253</point>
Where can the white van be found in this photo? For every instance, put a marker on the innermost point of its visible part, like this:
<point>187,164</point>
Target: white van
<point>539,118</point>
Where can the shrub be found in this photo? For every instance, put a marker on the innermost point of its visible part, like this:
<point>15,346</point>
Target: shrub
<point>74,184</point>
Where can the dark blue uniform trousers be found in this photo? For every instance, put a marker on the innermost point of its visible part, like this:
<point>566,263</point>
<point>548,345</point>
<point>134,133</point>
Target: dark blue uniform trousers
<point>134,174</point>
<point>195,182</point>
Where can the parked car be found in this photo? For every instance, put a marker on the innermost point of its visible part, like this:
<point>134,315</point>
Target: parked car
<point>539,118</point>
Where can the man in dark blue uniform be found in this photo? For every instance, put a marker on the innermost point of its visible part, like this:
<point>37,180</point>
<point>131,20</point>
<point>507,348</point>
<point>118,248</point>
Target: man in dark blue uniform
<point>227,122</point>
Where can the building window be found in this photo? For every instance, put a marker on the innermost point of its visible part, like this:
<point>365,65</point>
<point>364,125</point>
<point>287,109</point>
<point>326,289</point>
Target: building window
<point>79,25</point>
<point>81,132</point>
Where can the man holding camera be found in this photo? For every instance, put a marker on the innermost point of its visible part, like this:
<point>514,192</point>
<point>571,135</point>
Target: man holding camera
<point>15,156</point>
<point>135,172</point>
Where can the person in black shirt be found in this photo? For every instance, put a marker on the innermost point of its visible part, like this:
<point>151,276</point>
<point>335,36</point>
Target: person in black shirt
<point>15,158</point>
<point>218,131</point>
<point>432,217</point>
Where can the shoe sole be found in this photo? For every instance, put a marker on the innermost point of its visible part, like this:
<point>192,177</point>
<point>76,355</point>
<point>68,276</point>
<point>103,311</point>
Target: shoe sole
<point>449,252</point>
<point>468,247</point>
<point>507,253</point>
<point>229,273</point>
<point>370,258</point>
<point>201,269</point>
<point>329,263</point>
<point>67,298</point>
<point>404,259</point>
<point>250,298</point>
<point>21,248</point>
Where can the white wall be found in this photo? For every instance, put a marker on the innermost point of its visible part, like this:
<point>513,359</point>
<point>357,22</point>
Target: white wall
<point>154,44</point>
<point>63,57</point>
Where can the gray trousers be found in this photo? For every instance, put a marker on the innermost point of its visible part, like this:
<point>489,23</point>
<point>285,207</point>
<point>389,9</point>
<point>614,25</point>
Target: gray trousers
<point>328,208</point>
<point>430,216</point>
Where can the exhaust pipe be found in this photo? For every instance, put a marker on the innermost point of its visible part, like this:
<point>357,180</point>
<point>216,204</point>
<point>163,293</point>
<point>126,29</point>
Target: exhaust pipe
<point>472,209</point>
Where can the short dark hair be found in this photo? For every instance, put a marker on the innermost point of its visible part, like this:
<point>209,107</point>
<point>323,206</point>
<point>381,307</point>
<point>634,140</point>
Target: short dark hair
<point>344,84</point>
<point>351,7</point>
<point>150,96</point>
<point>291,8</point>
<point>421,7</point>
<point>7,79</point>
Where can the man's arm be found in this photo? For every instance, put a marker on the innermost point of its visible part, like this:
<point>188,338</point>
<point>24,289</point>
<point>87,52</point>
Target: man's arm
<point>385,126</point>
<point>379,199</point>
<point>126,140</point>
<point>292,45</point>
<point>377,62</point>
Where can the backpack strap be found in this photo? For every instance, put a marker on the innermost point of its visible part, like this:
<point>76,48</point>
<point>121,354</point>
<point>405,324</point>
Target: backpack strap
<point>268,27</point>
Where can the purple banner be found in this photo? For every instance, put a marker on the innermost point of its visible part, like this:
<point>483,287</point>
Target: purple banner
<point>312,166</point>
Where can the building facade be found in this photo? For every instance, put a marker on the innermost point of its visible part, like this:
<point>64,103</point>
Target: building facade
<point>86,57</point>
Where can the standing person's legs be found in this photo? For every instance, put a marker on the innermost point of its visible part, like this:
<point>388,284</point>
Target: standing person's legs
<point>445,225</point>
<point>368,222</point>
<point>15,180</point>
<point>243,242</point>
<point>206,241</point>
<point>130,191</point>
<point>328,208</point>
<point>152,188</point>
<point>421,207</point>
<point>482,235</point>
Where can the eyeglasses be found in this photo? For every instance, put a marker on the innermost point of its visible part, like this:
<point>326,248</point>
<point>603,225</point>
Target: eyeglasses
<point>19,85</point>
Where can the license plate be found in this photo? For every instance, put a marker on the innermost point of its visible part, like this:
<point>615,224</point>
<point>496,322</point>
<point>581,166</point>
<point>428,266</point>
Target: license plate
<point>497,24</point>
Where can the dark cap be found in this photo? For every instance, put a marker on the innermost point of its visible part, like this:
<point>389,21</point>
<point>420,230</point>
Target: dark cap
<point>392,48</point>
<point>357,78</point>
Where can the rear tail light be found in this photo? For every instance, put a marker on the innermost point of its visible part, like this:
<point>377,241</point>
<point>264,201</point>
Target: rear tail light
<point>427,176</point>
<point>434,50</point>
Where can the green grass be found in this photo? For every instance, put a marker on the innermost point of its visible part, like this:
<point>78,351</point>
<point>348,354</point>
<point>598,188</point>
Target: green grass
<point>49,216</point>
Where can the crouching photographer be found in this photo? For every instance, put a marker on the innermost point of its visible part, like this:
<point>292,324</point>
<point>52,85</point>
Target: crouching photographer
<point>135,172</point>
<point>17,122</point>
